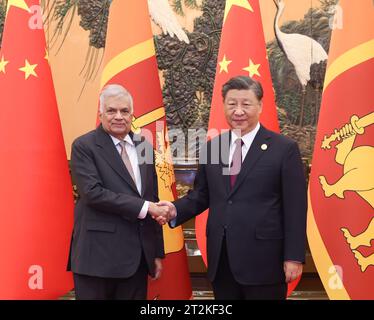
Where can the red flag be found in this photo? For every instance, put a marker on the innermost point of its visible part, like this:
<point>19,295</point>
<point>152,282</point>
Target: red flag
<point>340,216</point>
<point>36,203</point>
<point>242,52</point>
<point>130,60</point>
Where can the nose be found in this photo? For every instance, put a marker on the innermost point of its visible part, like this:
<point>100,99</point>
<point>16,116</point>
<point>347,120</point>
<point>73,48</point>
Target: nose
<point>118,115</point>
<point>239,111</point>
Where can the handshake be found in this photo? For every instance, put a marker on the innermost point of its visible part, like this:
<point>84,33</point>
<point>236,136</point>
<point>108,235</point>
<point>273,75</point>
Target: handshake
<point>162,212</point>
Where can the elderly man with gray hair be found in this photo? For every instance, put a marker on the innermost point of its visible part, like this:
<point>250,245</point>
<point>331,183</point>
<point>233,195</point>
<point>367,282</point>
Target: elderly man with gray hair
<point>115,242</point>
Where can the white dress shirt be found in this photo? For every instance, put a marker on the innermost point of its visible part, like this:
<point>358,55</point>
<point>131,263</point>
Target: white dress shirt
<point>131,151</point>
<point>247,142</point>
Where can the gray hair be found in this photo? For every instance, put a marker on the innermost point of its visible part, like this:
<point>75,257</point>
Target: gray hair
<point>114,90</point>
<point>243,83</point>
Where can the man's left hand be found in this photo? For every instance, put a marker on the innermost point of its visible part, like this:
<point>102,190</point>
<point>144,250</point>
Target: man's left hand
<point>292,270</point>
<point>158,268</point>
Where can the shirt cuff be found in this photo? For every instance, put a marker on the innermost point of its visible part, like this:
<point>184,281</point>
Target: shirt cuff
<point>173,221</point>
<point>144,210</point>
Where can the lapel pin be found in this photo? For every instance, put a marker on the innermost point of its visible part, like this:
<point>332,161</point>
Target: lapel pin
<point>264,146</point>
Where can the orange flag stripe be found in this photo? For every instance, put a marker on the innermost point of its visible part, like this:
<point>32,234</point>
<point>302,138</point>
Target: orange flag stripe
<point>139,32</point>
<point>130,60</point>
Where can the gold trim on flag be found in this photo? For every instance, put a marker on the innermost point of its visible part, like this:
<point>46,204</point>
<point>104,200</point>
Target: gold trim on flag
<point>348,60</point>
<point>126,59</point>
<point>147,118</point>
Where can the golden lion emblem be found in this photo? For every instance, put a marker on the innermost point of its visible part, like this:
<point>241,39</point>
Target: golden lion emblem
<point>358,164</point>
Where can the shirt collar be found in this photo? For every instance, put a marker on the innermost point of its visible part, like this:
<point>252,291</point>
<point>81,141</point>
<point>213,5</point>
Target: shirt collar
<point>247,138</point>
<point>117,141</point>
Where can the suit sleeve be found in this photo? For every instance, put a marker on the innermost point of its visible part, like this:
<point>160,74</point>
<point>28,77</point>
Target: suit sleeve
<point>197,199</point>
<point>294,198</point>
<point>160,251</point>
<point>91,188</point>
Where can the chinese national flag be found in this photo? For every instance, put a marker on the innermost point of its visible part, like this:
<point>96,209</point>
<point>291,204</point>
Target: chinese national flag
<point>130,61</point>
<point>341,189</point>
<point>36,201</point>
<point>242,52</point>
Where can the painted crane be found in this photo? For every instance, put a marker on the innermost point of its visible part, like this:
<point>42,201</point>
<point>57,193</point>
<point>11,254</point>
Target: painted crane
<point>300,50</point>
<point>162,14</point>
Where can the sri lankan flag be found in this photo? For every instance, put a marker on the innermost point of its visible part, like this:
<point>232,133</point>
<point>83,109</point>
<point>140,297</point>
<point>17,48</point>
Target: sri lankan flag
<point>130,60</point>
<point>341,190</point>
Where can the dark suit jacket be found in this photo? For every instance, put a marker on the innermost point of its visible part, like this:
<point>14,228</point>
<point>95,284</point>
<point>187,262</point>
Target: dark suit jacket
<point>108,238</point>
<point>263,215</point>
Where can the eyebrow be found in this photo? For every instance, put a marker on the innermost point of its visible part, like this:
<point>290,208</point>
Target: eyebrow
<point>235,99</point>
<point>124,108</point>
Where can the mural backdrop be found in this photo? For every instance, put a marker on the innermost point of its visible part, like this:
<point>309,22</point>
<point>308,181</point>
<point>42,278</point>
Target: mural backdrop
<point>186,34</point>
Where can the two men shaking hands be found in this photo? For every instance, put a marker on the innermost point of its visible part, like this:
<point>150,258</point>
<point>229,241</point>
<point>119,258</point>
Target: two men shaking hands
<point>162,212</point>
<point>255,193</point>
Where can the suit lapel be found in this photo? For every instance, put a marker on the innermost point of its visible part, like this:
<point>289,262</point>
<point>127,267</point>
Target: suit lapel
<point>253,155</point>
<point>110,153</point>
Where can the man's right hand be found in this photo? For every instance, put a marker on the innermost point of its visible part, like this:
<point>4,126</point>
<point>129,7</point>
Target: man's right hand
<point>161,213</point>
<point>172,211</point>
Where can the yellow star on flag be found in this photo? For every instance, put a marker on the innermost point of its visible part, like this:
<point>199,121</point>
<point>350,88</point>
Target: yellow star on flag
<point>17,3</point>
<point>224,65</point>
<point>252,69</point>
<point>240,3</point>
<point>3,63</point>
<point>29,69</point>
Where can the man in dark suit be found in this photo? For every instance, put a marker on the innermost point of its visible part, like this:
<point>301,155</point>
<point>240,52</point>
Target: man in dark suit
<point>253,183</point>
<point>115,242</point>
